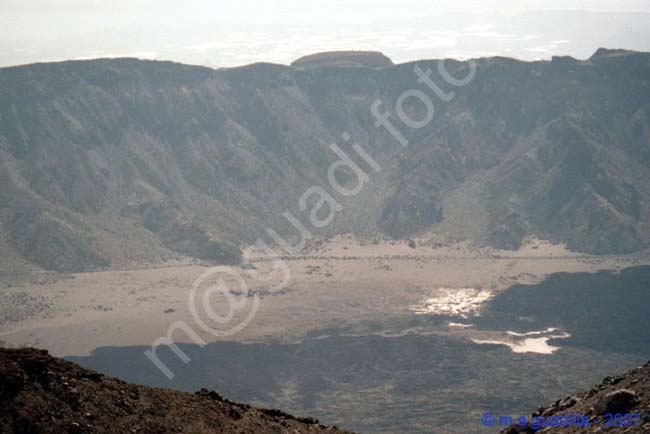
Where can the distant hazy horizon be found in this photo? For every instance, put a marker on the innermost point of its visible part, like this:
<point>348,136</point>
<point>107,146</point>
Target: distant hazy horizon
<point>223,34</point>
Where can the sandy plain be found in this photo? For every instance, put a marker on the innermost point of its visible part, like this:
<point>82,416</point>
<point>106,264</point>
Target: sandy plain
<point>334,283</point>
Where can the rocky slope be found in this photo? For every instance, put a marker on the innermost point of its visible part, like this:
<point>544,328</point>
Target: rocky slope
<point>42,394</point>
<point>117,161</point>
<point>624,394</point>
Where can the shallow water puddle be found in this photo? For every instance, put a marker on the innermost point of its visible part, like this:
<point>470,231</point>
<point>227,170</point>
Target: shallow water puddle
<point>458,302</point>
<point>531,342</point>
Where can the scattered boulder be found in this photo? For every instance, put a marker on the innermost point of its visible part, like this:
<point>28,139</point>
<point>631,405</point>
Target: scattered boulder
<point>618,401</point>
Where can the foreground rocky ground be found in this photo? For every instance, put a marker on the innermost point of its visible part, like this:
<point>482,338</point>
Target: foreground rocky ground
<point>620,395</point>
<point>43,394</point>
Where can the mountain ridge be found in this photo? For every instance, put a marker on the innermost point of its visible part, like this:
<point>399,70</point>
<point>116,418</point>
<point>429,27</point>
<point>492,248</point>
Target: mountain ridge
<point>119,161</point>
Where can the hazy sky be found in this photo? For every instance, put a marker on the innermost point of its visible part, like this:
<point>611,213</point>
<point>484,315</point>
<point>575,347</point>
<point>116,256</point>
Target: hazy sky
<point>227,33</point>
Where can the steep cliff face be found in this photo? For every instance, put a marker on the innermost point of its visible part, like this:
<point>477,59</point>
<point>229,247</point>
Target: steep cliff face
<point>109,162</point>
<point>42,394</point>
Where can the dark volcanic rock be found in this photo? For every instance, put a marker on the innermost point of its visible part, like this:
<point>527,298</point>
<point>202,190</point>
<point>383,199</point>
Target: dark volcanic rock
<point>618,401</point>
<point>625,394</point>
<point>42,394</point>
